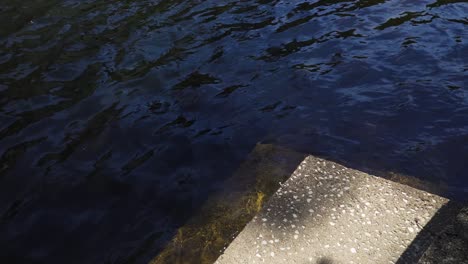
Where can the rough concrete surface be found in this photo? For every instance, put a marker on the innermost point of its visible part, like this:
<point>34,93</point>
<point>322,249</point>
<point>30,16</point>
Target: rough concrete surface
<point>327,213</point>
<point>461,224</point>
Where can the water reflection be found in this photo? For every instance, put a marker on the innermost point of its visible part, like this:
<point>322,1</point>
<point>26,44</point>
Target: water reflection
<point>120,118</point>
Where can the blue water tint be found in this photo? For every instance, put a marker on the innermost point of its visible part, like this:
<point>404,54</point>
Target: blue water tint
<point>118,119</point>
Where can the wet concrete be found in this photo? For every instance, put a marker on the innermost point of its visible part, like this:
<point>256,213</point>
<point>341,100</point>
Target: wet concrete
<point>327,213</point>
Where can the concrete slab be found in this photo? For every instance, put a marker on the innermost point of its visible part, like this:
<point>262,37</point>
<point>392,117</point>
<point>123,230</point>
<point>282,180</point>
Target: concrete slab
<point>327,213</point>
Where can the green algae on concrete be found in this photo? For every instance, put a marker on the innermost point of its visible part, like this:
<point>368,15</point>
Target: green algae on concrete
<point>207,234</point>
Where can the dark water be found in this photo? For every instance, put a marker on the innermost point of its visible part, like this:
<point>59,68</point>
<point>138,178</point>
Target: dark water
<point>120,118</point>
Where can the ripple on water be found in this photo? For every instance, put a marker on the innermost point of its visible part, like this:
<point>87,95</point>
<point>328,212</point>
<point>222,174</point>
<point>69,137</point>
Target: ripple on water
<point>119,119</point>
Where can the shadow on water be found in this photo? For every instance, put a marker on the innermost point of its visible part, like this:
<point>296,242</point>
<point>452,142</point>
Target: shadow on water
<point>120,119</point>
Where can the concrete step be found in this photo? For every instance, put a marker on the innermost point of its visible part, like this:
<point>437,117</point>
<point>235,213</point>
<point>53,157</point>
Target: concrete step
<point>327,213</point>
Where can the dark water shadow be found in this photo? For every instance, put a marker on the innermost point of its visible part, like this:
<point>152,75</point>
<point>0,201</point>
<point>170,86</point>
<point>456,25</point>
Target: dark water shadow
<point>325,260</point>
<point>444,217</point>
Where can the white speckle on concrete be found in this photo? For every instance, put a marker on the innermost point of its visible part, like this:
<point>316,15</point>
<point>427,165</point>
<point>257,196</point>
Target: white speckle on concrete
<point>354,218</point>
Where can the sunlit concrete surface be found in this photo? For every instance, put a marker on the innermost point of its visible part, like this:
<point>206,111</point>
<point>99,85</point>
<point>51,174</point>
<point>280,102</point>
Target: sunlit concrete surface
<point>326,213</point>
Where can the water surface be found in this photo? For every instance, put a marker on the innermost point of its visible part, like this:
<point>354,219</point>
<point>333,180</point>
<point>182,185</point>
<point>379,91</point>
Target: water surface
<point>118,119</point>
